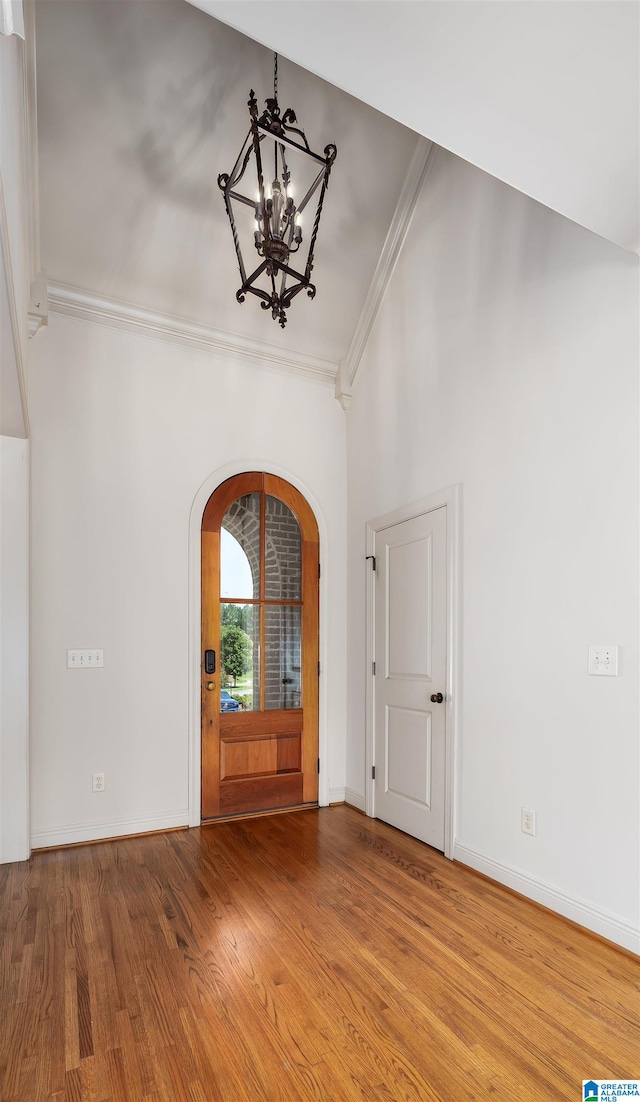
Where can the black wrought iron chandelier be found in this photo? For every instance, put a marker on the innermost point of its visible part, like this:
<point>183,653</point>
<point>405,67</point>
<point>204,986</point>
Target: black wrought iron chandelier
<point>272,216</point>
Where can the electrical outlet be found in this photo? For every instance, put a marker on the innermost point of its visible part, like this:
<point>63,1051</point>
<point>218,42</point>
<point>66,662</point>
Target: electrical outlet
<point>527,821</point>
<point>98,782</point>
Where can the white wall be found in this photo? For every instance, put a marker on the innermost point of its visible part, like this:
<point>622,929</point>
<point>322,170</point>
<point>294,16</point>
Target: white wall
<point>12,160</point>
<point>14,253</point>
<point>125,430</point>
<point>505,358</point>
<point>14,299</point>
<point>14,649</point>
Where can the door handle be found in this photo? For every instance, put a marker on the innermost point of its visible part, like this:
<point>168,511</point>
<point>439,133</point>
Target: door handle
<point>210,686</point>
<point>437,698</point>
<point>209,661</point>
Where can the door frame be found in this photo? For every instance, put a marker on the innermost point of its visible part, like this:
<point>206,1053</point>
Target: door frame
<point>451,496</point>
<point>208,487</point>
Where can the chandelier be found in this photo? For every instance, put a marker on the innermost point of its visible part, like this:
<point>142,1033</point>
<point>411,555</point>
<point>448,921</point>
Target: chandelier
<point>281,219</point>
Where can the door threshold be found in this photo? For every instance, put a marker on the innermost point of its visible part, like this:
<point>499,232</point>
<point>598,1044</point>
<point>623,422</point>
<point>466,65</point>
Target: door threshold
<point>259,814</point>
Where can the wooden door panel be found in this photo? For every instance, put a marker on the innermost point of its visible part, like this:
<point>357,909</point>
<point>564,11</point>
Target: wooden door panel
<point>256,754</point>
<point>210,757</point>
<point>259,757</point>
<point>289,759</point>
<point>256,760</point>
<point>310,669</point>
<point>248,758</point>
<point>260,793</point>
<point>242,724</point>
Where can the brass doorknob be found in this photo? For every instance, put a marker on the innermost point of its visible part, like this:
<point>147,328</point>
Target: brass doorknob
<point>437,698</point>
<point>210,686</point>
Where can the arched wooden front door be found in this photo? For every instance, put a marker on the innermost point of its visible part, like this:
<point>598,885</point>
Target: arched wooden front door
<point>260,566</point>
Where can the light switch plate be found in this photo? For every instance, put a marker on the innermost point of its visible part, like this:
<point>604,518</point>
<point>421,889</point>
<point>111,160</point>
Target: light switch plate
<point>603,661</point>
<point>84,659</point>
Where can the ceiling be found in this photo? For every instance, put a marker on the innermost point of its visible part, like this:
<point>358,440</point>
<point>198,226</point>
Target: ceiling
<point>544,96</point>
<point>140,106</point>
<point>142,103</point>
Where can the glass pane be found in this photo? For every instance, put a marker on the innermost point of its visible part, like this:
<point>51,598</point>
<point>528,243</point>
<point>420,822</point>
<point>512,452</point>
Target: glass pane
<point>283,563</point>
<point>283,656</point>
<point>240,549</point>
<point>239,658</point>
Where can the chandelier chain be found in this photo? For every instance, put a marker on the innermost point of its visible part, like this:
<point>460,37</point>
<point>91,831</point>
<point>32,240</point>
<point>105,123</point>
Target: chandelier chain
<point>275,96</point>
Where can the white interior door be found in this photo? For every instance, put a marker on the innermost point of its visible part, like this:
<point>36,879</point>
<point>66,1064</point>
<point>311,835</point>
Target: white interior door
<point>410,670</point>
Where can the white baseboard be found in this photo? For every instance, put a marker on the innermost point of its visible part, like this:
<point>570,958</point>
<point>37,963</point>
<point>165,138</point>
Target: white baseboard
<point>355,799</point>
<point>608,925</point>
<point>108,828</point>
<point>336,795</point>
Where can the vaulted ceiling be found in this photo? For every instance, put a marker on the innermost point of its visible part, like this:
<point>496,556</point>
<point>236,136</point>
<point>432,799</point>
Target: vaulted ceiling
<point>140,106</point>
<point>142,103</point>
<point>545,96</point>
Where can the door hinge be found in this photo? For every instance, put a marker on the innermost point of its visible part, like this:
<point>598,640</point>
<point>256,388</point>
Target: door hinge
<point>319,570</point>
<point>373,772</point>
<point>373,668</point>
<point>373,560</point>
<point>318,765</point>
<point>318,669</point>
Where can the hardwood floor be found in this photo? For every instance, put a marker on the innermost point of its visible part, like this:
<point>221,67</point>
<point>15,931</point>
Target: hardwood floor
<point>318,955</point>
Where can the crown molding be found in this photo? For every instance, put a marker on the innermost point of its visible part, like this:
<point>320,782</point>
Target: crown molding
<point>38,305</point>
<point>76,303</point>
<point>11,18</point>
<point>342,391</point>
<point>420,162</point>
